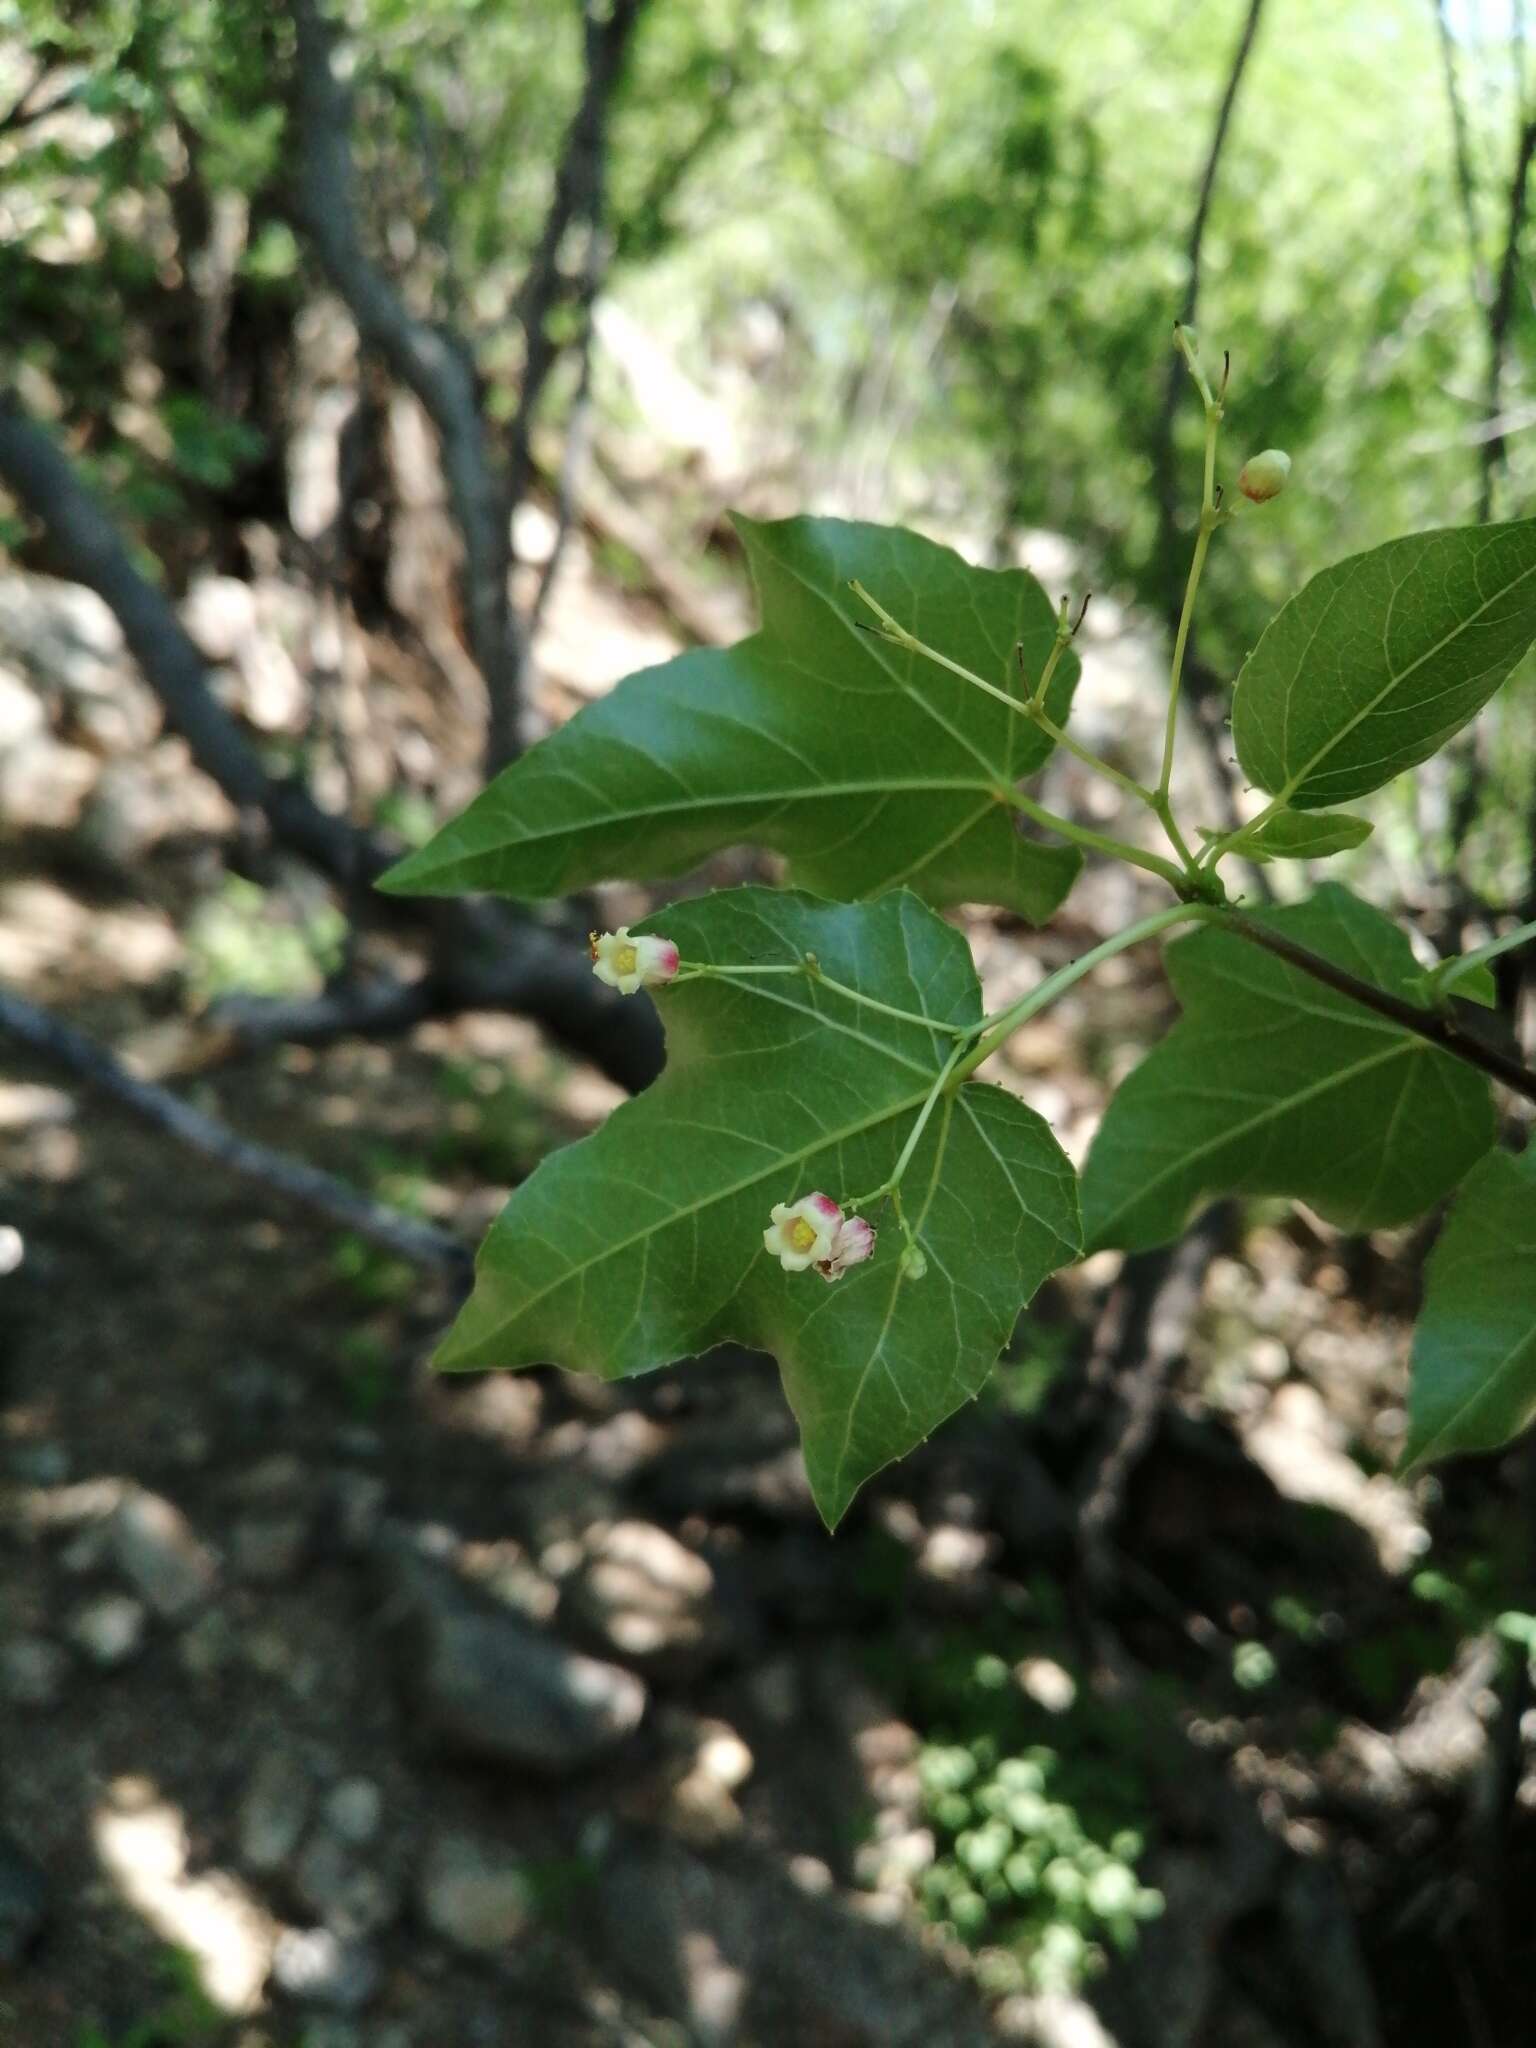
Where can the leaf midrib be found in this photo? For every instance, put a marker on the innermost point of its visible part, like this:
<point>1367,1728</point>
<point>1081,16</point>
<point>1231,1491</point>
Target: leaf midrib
<point>882,786</point>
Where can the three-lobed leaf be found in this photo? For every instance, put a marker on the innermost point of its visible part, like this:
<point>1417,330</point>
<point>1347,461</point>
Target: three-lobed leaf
<point>1474,1350</point>
<point>868,766</point>
<point>1376,662</point>
<point>644,1242</point>
<point>1271,1083</point>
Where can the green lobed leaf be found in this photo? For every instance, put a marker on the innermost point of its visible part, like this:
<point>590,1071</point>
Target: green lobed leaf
<point>1474,1351</point>
<point>644,1243</point>
<point>1376,662</point>
<point>868,766</point>
<point>1301,835</point>
<point>1271,1083</point>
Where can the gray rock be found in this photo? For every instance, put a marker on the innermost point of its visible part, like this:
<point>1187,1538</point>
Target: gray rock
<point>32,1672</point>
<point>270,1550</point>
<point>109,1629</point>
<point>24,1901</point>
<point>209,1646</point>
<point>474,1893</point>
<point>492,1685</point>
<point>275,1811</point>
<point>330,2031</point>
<point>39,1464</point>
<point>316,1967</point>
<point>354,1810</point>
<point>644,1597</point>
<point>340,1888</point>
<point>358,1499</point>
<point>730,1947</point>
<point>156,1549</point>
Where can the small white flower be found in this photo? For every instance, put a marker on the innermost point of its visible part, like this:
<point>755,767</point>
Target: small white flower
<point>628,964</point>
<point>1265,476</point>
<point>803,1233</point>
<point>854,1242</point>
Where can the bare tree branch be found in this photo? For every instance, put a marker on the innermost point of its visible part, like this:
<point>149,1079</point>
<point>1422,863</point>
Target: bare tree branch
<point>573,458</point>
<point>484,956</point>
<point>294,1179</point>
<point>578,201</point>
<point>1466,184</point>
<point>1501,311</point>
<point>87,549</point>
<point>432,363</point>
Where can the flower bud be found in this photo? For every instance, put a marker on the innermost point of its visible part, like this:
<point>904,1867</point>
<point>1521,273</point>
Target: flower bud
<point>1263,477</point>
<point>914,1262</point>
<point>854,1242</point>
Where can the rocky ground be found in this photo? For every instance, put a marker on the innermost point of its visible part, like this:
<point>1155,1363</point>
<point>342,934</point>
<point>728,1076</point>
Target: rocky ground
<point>345,1708</point>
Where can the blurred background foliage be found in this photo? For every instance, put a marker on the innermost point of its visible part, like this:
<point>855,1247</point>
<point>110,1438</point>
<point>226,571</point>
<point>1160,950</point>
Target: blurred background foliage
<point>942,264</point>
<point>933,271</point>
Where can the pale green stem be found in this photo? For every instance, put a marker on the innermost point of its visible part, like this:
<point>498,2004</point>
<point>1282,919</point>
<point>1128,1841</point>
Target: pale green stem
<point>999,1028</point>
<point>1182,341</point>
<point>1176,839</point>
<point>1457,970</point>
<point>914,1137</point>
<point>1181,642</point>
<point>702,970</point>
<point>1059,646</point>
<point>1097,842</point>
<point>1218,848</point>
<point>1063,738</point>
<point>1209,519</point>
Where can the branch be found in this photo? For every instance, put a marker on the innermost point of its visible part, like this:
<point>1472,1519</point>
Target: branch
<point>1435,1026</point>
<point>87,549</point>
<point>294,1179</point>
<point>1141,1338</point>
<point>1462,148</point>
<point>537,971</point>
<point>573,457</point>
<point>432,363</point>
<point>1501,311</point>
<point>545,972</point>
<point>578,199</point>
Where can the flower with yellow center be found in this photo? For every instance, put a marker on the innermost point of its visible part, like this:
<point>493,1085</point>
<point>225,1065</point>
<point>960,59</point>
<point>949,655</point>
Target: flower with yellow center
<point>803,1234</point>
<point>629,964</point>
